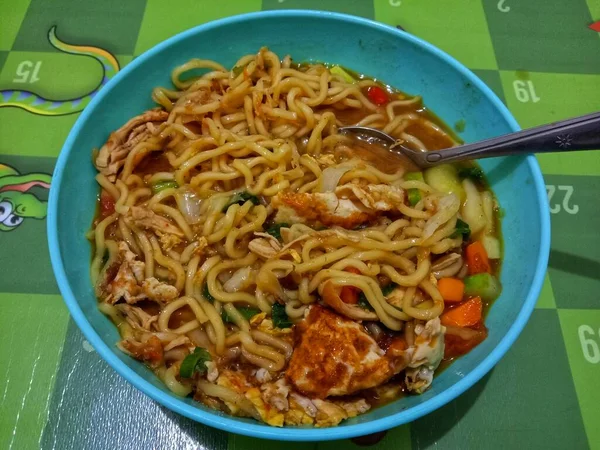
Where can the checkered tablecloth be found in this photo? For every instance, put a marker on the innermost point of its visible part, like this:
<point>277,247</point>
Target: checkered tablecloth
<point>539,56</point>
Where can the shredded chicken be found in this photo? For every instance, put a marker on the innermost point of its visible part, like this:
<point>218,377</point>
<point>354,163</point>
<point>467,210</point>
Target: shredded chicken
<point>379,197</point>
<point>276,394</point>
<point>147,218</point>
<point>150,351</point>
<point>159,291</point>
<point>426,356</point>
<point>126,282</point>
<point>137,317</point>
<point>112,155</point>
<point>324,208</point>
<point>212,371</point>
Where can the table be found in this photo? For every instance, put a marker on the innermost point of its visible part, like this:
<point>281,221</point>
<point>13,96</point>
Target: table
<point>540,57</point>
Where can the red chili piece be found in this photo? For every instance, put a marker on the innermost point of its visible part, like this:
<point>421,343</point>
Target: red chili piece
<point>377,95</point>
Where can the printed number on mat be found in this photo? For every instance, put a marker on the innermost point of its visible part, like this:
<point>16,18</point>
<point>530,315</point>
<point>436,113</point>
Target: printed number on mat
<point>566,206</point>
<point>27,72</point>
<point>525,91</point>
<point>589,343</point>
<point>502,7</point>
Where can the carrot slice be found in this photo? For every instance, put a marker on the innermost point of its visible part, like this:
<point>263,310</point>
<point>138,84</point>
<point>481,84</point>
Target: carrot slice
<point>477,258</point>
<point>452,289</point>
<point>349,294</point>
<point>466,314</point>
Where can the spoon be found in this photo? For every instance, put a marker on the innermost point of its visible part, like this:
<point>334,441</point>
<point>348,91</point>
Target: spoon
<point>579,133</point>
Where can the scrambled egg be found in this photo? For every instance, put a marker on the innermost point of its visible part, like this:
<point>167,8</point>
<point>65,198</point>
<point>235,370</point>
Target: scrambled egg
<point>261,323</point>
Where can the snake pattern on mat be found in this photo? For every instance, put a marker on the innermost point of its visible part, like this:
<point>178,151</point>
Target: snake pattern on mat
<point>37,104</point>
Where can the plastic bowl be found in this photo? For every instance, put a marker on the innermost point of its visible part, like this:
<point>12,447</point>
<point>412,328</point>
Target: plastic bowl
<point>393,56</point>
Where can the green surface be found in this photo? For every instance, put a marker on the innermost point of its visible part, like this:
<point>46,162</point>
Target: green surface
<point>32,329</point>
<point>12,13</point>
<point>543,36</point>
<point>109,24</point>
<point>538,56</point>
<point>581,331</point>
<point>355,7</point>
<point>161,20</point>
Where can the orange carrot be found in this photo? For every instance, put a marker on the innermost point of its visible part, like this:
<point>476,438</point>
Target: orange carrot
<point>477,258</point>
<point>452,289</point>
<point>466,314</point>
<point>349,294</point>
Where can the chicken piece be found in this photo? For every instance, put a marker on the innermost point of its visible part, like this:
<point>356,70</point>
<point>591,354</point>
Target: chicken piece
<point>335,356</point>
<point>323,208</point>
<point>137,317</point>
<point>426,356</point>
<point>212,371</point>
<point>147,218</point>
<point>112,155</point>
<point>159,291</point>
<point>150,351</point>
<point>276,394</point>
<point>125,284</point>
<point>379,197</point>
<point>263,375</point>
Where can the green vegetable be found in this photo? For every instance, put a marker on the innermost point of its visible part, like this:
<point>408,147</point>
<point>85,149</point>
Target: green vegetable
<point>388,289</point>
<point>194,362</point>
<point>275,230</point>
<point>241,198</point>
<point>483,285</point>
<point>363,302</point>
<point>414,196</point>
<point>474,173</point>
<point>162,185</point>
<point>444,178</point>
<point>461,228</point>
<point>247,313</point>
<point>280,317</point>
<point>385,290</point>
<point>492,246</point>
<point>337,70</point>
<point>206,293</point>
<point>414,176</point>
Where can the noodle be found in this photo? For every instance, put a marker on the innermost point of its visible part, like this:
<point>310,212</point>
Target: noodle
<point>235,222</point>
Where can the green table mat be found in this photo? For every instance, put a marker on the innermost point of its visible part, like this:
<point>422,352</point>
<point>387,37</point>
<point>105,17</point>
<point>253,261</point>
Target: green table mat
<point>539,56</point>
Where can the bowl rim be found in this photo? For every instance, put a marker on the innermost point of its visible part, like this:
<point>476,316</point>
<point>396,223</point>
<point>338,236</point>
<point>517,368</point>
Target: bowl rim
<point>257,429</point>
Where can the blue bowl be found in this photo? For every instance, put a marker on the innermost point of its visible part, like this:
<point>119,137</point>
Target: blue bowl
<point>393,56</point>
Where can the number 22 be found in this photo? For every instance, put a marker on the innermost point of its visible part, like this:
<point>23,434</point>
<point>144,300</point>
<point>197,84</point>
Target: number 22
<point>556,208</point>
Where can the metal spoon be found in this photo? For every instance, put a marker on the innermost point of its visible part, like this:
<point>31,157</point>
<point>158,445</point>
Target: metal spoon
<point>579,133</point>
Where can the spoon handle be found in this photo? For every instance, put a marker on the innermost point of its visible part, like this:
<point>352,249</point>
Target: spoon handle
<point>579,133</point>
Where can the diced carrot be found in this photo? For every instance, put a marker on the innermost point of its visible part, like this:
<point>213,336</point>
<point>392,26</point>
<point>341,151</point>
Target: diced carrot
<point>349,294</point>
<point>452,289</point>
<point>466,314</point>
<point>477,258</point>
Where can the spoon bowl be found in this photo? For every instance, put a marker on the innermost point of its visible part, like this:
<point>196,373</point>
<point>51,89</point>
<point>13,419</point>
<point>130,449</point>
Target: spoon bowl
<point>579,133</point>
